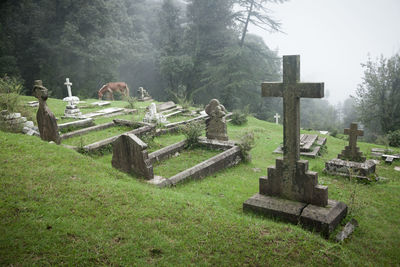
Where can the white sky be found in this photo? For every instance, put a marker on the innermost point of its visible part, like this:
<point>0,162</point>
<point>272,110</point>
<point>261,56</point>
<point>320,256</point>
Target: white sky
<point>333,37</point>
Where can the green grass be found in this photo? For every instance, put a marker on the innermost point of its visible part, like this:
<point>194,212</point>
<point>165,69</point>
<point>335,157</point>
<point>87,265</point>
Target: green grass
<point>185,160</point>
<point>159,142</point>
<point>59,207</point>
<point>95,136</point>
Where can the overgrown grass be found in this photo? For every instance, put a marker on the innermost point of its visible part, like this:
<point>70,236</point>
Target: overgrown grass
<point>58,207</point>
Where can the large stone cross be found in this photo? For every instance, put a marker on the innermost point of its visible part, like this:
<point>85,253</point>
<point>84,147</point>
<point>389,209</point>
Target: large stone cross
<point>277,117</point>
<point>290,178</point>
<point>292,90</point>
<point>68,84</point>
<point>352,152</point>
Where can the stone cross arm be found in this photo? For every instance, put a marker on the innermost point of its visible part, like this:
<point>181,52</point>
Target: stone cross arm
<point>67,82</point>
<point>308,90</point>
<point>353,130</point>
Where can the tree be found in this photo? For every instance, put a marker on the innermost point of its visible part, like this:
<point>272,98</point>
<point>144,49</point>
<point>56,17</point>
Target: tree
<point>378,96</point>
<point>256,13</point>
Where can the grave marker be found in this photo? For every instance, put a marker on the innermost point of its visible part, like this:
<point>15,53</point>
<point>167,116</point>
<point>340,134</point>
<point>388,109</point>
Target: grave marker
<point>352,152</point>
<point>277,117</point>
<point>290,191</point>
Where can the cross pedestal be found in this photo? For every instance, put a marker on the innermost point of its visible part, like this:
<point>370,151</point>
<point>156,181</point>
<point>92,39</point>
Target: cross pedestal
<point>277,117</point>
<point>291,191</point>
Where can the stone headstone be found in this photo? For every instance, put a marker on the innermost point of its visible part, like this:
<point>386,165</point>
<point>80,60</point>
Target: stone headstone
<point>290,191</point>
<point>47,123</point>
<point>277,117</point>
<point>152,115</point>
<point>130,155</point>
<point>143,95</point>
<point>216,123</point>
<point>70,98</point>
<point>352,152</point>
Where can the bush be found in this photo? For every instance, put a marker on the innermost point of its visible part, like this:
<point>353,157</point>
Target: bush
<point>246,144</point>
<point>239,117</point>
<point>10,88</point>
<point>192,131</point>
<point>394,138</point>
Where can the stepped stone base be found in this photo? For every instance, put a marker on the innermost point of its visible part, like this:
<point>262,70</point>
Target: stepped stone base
<point>361,170</point>
<point>321,219</point>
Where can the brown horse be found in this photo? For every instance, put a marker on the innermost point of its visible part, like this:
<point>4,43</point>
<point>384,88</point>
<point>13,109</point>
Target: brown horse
<point>114,87</point>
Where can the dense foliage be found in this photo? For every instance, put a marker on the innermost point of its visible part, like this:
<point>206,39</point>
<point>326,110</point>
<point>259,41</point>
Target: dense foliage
<point>186,51</point>
<point>378,96</point>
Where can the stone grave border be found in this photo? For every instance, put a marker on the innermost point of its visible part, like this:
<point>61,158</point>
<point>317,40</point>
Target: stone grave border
<point>230,156</point>
<point>142,129</point>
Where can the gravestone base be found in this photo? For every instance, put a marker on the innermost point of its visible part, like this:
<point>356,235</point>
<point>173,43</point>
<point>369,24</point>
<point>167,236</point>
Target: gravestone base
<point>360,170</point>
<point>72,111</point>
<point>321,219</point>
<point>144,99</point>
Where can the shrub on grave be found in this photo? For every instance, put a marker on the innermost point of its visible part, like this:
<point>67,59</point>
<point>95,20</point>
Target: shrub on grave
<point>239,117</point>
<point>246,144</point>
<point>192,132</point>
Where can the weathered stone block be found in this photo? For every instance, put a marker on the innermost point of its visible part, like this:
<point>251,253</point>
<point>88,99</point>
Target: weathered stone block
<point>323,219</point>
<point>130,155</point>
<point>362,170</point>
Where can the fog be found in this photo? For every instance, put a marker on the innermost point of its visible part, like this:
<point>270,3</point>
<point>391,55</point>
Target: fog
<point>333,37</point>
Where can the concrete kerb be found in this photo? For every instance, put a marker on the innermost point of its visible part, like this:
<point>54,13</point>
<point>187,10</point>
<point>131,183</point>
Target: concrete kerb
<point>229,157</point>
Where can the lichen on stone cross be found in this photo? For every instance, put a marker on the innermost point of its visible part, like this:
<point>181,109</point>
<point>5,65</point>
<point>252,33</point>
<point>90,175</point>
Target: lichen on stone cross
<point>352,152</point>
<point>291,178</point>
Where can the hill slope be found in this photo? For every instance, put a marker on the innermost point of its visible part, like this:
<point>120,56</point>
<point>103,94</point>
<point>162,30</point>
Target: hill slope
<point>60,207</point>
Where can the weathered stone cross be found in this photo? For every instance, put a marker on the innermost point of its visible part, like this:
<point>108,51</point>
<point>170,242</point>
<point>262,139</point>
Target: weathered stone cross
<point>68,84</point>
<point>352,152</point>
<point>353,132</point>
<point>291,90</point>
<point>291,178</point>
<point>277,118</point>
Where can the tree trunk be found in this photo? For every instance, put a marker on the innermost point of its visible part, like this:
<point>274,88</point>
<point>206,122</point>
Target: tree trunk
<point>247,23</point>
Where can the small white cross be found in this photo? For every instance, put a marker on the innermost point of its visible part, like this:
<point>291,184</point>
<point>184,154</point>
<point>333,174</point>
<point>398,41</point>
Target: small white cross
<point>68,84</point>
<point>277,118</point>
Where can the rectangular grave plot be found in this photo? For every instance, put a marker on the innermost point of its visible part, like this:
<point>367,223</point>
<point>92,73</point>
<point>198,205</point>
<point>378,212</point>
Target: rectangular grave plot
<point>159,142</point>
<point>184,164</point>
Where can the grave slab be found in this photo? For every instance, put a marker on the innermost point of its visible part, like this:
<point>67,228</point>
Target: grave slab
<point>360,170</point>
<point>310,145</point>
<point>79,123</point>
<point>101,103</point>
<point>165,106</point>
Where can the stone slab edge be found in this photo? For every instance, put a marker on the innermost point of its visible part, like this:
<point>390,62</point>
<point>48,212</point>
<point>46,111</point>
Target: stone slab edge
<point>79,123</point>
<point>87,130</point>
<point>221,161</point>
<point>166,152</point>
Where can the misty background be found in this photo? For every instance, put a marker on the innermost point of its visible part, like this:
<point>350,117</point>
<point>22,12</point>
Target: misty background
<point>196,50</point>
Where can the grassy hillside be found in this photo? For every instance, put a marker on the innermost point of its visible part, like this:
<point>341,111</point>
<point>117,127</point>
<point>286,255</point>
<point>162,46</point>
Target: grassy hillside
<point>59,207</point>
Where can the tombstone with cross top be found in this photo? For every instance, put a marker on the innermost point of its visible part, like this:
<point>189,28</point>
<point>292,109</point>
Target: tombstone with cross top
<point>351,162</point>
<point>71,110</point>
<point>277,117</point>
<point>71,99</point>
<point>291,191</point>
<point>352,152</point>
